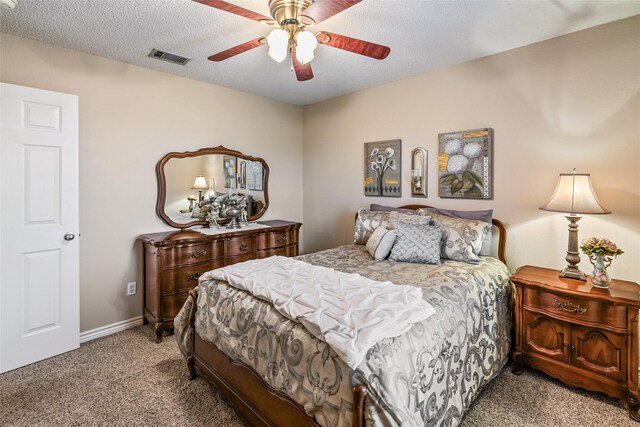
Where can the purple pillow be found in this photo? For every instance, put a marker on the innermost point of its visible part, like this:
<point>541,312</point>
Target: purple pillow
<point>381,208</point>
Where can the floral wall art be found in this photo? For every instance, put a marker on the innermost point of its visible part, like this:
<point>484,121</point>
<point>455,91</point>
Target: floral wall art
<point>382,168</point>
<point>465,164</point>
<point>255,173</point>
<point>229,172</point>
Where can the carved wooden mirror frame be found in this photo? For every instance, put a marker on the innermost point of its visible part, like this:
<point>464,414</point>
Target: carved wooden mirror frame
<point>162,184</point>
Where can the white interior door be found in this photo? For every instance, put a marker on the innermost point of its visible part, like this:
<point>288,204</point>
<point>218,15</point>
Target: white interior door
<point>39,269</point>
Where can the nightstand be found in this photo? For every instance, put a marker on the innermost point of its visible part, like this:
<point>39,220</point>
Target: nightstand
<point>583,335</point>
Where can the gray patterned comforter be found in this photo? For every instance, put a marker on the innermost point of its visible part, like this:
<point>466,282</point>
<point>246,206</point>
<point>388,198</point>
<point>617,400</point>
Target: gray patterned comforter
<point>426,377</point>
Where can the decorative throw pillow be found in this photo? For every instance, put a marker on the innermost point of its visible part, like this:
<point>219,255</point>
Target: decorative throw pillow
<point>380,243</point>
<point>462,239</point>
<point>482,215</point>
<point>397,218</point>
<point>366,223</point>
<point>419,243</point>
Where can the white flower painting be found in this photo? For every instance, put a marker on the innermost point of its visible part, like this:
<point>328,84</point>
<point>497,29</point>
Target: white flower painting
<point>229,170</point>
<point>465,164</point>
<point>382,169</point>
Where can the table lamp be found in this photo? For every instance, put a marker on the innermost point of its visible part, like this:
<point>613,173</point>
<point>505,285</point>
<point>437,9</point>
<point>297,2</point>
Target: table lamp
<point>574,195</point>
<point>200,184</point>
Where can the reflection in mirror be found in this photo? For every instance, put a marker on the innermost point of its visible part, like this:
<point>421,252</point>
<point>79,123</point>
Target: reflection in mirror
<point>211,188</point>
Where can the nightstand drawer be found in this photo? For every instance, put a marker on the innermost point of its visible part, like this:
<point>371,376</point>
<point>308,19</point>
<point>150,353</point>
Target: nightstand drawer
<point>574,308</point>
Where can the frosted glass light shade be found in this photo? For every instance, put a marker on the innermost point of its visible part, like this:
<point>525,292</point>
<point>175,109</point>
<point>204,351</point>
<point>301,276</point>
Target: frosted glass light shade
<point>306,44</point>
<point>200,183</point>
<point>278,41</point>
<point>574,194</point>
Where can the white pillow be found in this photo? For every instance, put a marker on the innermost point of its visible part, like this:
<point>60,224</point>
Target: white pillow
<point>380,243</point>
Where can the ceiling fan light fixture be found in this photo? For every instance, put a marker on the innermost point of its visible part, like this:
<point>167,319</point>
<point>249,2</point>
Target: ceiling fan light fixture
<point>278,41</point>
<point>306,44</point>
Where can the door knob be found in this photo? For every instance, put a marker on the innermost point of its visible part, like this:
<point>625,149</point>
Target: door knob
<point>69,236</point>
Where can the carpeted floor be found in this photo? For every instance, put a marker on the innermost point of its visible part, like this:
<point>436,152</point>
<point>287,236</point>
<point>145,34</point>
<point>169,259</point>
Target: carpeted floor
<point>128,380</point>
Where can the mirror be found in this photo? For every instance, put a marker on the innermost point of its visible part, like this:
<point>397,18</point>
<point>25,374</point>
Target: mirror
<point>186,197</point>
<point>419,172</point>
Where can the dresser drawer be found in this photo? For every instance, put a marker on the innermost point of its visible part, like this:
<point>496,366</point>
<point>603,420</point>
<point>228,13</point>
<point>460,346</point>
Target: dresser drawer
<point>183,278</point>
<point>574,308</point>
<point>239,258</point>
<point>171,305</point>
<point>239,246</point>
<point>276,239</point>
<point>191,254</point>
<point>271,252</point>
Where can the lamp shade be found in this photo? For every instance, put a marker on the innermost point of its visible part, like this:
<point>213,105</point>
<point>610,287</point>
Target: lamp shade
<point>278,41</point>
<point>574,194</point>
<point>306,44</point>
<point>200,183</point>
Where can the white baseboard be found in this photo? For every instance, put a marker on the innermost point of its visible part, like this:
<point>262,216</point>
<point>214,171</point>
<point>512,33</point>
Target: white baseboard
<point>110,329</point>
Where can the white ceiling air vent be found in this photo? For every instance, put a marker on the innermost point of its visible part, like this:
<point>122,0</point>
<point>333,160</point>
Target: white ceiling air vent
<point>8,4</point>
<point>169,57</point>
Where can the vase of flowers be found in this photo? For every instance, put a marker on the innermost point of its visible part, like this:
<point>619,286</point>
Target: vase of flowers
<point>601,252</point>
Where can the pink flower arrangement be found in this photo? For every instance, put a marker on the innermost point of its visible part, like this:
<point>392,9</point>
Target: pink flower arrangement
<point>600,246</point>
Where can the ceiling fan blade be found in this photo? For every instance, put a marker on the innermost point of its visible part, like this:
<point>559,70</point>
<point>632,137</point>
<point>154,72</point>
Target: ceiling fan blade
<point>232,8</point>
<point>226,54</point>
<point>325,9</point>
<point>303,71</point>
<point>358,46</point>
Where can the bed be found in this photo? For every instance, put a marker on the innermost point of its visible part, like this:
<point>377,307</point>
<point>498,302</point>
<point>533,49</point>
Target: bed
<point>273,372</point>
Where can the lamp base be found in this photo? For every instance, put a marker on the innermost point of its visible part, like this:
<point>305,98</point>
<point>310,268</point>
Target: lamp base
<point>573,256</point>
<point>572,272</point>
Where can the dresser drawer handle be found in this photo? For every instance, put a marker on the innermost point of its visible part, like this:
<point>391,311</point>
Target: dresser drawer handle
<point>281,239</point>
<point>196,254</point>
<point>194,277</point>
<point>570,307</point>
<point>243,246</point>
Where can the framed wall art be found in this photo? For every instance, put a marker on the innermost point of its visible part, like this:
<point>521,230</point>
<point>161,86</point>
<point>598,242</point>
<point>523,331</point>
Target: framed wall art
<point>254,175</point>
<point>229,170</point>
<point>465,164</point>
<point>383,168</point>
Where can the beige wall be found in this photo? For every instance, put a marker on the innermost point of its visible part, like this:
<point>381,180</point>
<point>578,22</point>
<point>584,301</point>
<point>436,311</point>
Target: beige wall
<point>129,118</point>
<point>573,101</point>
<point>568,102</point>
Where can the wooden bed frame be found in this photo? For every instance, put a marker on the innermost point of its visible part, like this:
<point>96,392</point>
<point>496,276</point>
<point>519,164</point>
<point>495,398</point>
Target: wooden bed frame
<point>255,401</point>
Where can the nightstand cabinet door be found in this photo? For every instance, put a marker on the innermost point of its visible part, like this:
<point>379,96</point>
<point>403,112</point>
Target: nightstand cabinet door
<point>546,336</point>
<point>599,351</point>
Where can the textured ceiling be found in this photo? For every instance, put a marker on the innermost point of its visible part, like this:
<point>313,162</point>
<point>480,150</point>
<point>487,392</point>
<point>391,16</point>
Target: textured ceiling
<point>423,35</point>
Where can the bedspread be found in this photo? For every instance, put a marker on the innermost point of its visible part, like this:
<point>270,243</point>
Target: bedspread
<point>346,310</point>
<point>428,376</point>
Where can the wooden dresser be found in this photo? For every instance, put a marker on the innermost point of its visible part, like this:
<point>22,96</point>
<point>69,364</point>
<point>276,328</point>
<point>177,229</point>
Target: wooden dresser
<point>583,335</point>
<point>173,262</point>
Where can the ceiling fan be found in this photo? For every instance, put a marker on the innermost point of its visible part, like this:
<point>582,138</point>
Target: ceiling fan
<point>291,19</point>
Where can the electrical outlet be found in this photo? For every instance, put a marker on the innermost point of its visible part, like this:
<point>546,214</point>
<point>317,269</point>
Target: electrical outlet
<point>131,288</point>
